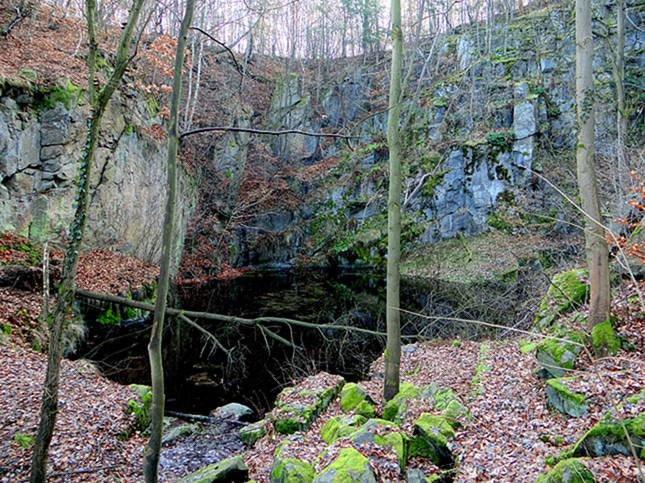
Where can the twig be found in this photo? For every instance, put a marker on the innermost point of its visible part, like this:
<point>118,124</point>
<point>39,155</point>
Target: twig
<point>84,471</point>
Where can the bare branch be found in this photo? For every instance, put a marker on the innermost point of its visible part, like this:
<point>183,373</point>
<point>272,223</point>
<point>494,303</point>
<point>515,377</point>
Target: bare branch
<point>265,132</point>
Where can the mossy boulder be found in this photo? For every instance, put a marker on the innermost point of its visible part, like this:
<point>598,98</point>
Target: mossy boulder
<point>296,408</point>
<point>291,470</point>
<point>440,399</point>
<point>568,289</point>
<point>384,434</point>
<point>608,438</point>
<point>560,397</point>
<point>603,338</point>
<point>253,432</point>
<point>176,432</point>
<point>354,398</point>
<point>559,354</point>
<point>341,427</point>
<point>230,470</point>
<point>568,471</point>
<point>430,439</point>
<point>396,408</point>
<point>349,466</point>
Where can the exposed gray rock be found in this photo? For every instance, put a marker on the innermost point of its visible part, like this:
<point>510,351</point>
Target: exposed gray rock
<point>38,161</point>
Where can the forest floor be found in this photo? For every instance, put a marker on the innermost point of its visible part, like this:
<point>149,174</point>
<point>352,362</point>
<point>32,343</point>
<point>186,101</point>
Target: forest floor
<point>511,433</point>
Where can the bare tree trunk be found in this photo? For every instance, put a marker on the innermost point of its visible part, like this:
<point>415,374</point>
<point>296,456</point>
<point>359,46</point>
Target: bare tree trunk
<point>153,448</point>
<point>595,243</point>
<point>67,286</point>
<point>393,316</point>
<point>619,73</point>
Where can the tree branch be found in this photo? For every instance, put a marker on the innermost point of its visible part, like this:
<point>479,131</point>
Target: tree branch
<point>264,131</point>
<point>226,318</point>
<point>238,67</point>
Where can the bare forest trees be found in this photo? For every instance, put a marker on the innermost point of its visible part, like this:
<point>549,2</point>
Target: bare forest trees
<point>393,316</point>
<point>595,242</point>
<point>169,242</point>
<point>66,289</point>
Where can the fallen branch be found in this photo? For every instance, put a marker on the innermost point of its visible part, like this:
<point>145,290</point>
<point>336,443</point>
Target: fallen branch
<point>83,471</point>
<point>228,318</point>
<point>205,419</point>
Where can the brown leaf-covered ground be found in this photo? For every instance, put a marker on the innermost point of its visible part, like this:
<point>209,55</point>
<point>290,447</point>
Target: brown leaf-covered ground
<point>511,433</point>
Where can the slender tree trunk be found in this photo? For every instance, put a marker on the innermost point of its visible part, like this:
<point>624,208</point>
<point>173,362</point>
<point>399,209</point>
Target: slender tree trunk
<point>67,287</point>
<point>619,73</point>
<point>595,243</point>
<point>153,448</point>
<point>393,318</point>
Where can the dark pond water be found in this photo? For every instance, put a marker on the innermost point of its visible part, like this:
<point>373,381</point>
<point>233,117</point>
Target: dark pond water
<point>255,366</point>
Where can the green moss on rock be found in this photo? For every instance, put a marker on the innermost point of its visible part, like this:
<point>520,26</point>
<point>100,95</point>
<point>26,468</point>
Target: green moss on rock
<point>253,432</point>
<point>608,438</point>
<point>567,290</point>
<point>230,470</point>
<point>296,409</point>
<point>396,407</point>
<point>430,439</point>
<point>341,427</point>
<point>564,400</point>
<point>385,434</point>
<point>291,470</point>
<point>354,398</point>
<point>558,355</point>
<point>568,471</point>
<point>604,339</point>
<point>349,466</point>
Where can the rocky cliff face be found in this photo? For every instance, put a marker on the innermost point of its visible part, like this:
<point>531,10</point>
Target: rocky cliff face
<point>40,143</point>
<point>478,119</point>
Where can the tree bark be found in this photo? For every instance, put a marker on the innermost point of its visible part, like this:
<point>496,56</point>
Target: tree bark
<point>595,243</point>
<point>67,286</point>
<point>393,318</point>
<point>153,448</point>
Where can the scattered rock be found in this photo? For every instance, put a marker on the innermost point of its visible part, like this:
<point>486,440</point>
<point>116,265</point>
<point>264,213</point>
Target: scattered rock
<point>251,433</point>
<point>297,407</point>
<point>231,470</point>
<point>350,466</point>
<point>430,440</point>
<point>609,438</point>
<point>354,398</point>
<point>568,471</point>
<point>235,411</point>
<point>341,427</point>
<point>564,400</point>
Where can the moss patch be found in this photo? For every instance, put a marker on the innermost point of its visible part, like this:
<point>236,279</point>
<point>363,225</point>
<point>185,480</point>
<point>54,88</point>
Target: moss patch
<point>353,398</point>
<point>610,439</point>
<point>229,470</point>
<point>350,465</point>
<point>430,439</point>
<point>567,290</point>
<point>604,339</point>
<point>564,400</point>
<point>341,427</point>
<point>291,470</point>
<point>570,471</point>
